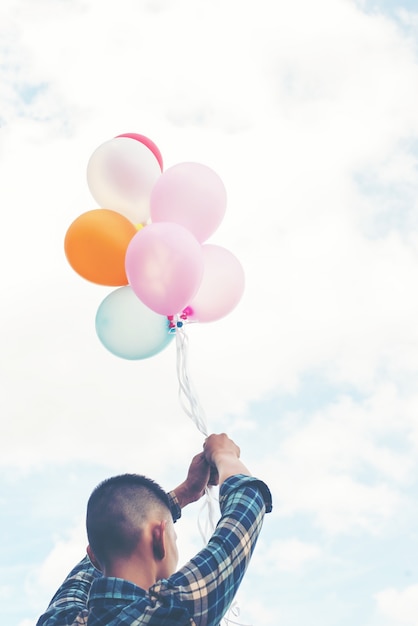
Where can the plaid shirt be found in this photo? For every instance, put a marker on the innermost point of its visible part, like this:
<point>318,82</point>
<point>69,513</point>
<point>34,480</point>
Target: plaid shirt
<point>199,594</point>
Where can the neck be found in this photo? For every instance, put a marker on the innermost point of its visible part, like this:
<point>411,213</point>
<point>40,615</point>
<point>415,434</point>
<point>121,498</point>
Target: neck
<point>143,575</point>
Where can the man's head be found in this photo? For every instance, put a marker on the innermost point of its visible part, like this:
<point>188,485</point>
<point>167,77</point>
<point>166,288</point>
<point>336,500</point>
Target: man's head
<point>119,511</point>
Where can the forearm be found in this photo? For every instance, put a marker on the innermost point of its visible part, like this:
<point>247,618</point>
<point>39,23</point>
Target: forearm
<point>183,495</point>
<point>229,465</point>
<point>193,487</point>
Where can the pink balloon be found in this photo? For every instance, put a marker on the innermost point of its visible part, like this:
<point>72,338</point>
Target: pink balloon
<point>221,288</point>
<point>147,142</point>
<point>192,195</point>
<point>164,266</point>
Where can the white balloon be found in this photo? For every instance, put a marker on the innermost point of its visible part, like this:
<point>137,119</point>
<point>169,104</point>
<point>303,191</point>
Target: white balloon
<point>121,174</point>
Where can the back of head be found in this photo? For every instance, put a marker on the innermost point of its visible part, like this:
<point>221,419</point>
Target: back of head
<point>116,513</point>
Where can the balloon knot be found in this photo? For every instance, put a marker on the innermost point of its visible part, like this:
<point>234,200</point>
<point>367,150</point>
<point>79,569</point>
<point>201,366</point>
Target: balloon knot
<point>177,321</point>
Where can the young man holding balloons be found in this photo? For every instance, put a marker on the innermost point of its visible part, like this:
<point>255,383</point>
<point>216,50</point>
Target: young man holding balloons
<point>131,578</point>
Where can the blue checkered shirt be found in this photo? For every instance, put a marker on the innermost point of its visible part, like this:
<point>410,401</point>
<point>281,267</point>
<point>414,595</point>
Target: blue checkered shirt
<point>199,594</point>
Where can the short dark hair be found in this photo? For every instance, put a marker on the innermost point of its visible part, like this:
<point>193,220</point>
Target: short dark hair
<point>116,512</point>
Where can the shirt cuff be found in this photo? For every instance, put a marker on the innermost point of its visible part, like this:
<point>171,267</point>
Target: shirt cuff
<point>241,480</point>
<point>174,505</point>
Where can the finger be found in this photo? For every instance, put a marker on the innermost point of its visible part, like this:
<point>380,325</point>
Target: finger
<point>213,477</point>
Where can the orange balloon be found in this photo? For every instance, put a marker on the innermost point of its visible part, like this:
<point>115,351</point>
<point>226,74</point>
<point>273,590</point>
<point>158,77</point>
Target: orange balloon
<point>95,246</point>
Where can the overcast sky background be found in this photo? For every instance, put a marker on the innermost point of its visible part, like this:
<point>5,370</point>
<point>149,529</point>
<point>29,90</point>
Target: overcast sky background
<point>308,111</point>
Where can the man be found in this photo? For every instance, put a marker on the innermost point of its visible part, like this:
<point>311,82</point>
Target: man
<point>130,577</point>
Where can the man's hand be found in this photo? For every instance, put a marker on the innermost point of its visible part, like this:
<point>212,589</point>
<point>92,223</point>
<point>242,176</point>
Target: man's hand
<point>219,460</point>
<point>199,475</point>
<point>217,446</point>
<point>223,454</point>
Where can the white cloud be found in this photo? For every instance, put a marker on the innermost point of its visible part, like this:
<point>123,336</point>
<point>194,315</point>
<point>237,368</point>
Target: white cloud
<point>289,555</point>
<point>253,611</point>
<point>400,607</point>
<point>5,592</point>
<point>68,550</point>
<point>341,466</point>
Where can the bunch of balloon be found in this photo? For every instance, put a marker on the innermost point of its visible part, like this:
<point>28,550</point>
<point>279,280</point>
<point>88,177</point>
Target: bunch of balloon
<point>120,174</point>
<point>149,239</point>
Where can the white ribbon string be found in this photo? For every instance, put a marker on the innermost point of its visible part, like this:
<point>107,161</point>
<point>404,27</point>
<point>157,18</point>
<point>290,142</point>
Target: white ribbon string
<point>187,394</point>
<point>192,407</point>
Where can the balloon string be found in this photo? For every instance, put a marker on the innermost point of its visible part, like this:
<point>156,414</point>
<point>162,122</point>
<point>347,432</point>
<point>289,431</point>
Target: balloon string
<point>194,410</point>
<point>187,394</point>
<point>192,407</point>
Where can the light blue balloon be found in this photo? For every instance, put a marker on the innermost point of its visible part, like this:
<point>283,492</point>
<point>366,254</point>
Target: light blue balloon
<point>128,328</point>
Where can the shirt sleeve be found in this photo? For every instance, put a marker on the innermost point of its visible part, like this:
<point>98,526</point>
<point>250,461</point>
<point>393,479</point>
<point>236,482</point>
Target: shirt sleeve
<point>174,506</point>
<point>68,606</point>
<point>208,583</point>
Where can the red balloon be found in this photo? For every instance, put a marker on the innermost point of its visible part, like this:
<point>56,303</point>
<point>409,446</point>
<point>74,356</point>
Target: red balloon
<point>147,142</point>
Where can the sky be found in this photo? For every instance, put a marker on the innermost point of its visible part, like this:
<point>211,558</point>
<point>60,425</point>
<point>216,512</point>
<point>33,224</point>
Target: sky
<point>308,113</point>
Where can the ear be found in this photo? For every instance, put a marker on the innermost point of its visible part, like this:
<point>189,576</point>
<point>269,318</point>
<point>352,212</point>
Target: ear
<point>158,540</point>
<point>93,559</point>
